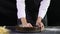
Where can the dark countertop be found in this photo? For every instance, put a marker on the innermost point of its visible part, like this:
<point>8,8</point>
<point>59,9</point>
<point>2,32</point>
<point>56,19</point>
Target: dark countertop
<point>47,30</point>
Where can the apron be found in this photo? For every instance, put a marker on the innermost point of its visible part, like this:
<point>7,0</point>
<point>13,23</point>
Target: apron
<point>32,9</point>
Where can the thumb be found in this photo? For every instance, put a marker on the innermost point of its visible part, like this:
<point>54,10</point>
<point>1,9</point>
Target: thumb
<point>30,25</point>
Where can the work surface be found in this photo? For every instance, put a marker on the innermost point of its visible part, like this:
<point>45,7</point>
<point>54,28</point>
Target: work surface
<point>47,30</point>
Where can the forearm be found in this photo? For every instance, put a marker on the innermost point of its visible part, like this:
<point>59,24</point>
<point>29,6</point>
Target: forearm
<point>43,8</point>
<point>21,9</point>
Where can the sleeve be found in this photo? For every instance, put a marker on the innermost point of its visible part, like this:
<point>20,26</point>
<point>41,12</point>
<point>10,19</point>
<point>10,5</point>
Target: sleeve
<point>21,8</point>
<point>43,8</point>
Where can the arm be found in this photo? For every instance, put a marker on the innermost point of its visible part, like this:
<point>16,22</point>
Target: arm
<point>21,10</point>
<point>43,8</point>
<point>21,13</point>
<point>42,11</point>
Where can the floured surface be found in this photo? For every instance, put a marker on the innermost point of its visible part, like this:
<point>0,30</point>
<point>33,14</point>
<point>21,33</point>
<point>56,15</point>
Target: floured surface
<point>52,29</point>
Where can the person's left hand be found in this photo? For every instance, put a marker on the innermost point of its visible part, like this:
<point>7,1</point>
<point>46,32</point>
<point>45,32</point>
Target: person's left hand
<point>40,24</point>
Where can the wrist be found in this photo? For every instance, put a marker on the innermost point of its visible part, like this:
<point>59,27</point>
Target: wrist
<point>23,20</point>
<point>39,19</point>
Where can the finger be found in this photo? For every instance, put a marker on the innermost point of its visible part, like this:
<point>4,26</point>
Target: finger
<point>42,28</point>
<point>27,25</point>
<point>40,24</point>
<point>37,24</point>
<point>30,25</point>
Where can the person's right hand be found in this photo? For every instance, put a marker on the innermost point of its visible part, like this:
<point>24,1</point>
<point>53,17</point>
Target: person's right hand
<point>25,23</point>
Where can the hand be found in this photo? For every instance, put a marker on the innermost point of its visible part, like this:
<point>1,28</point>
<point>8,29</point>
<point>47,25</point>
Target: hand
<point>27,25</point>
<point>40,24</point>
<point>24,23</point>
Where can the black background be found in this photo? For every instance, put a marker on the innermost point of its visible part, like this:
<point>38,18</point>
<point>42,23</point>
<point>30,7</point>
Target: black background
<point>54,13</point>
<point>8,12</point>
